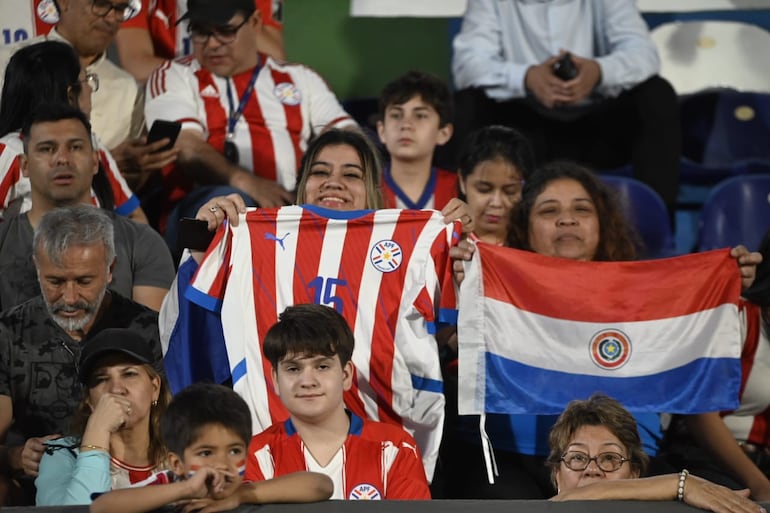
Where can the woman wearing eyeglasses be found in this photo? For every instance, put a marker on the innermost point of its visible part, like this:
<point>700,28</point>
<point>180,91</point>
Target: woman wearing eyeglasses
<point>596,453</point>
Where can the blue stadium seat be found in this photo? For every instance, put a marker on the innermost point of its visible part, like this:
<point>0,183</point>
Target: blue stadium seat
<point>737,211</point>
<point>646,210</point>
<point>724,133</point>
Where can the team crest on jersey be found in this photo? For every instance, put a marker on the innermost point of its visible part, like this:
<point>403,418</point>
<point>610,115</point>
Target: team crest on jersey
<point>386,256</point>
<point>287,93</point>
<point>47,12</point>
<point>365,492</point>
<point>610,349</point>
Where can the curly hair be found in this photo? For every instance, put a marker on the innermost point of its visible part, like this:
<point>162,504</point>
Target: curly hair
<point>617,238</point>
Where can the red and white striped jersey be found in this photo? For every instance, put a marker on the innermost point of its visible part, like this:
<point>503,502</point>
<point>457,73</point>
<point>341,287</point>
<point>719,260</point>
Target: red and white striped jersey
<point>377,461</point>
<point>290,104</point>
<point>15,187</point>
<point>169,39</point>
<point>751,421</point>
<point>441,187</point>
<point>387,272</point>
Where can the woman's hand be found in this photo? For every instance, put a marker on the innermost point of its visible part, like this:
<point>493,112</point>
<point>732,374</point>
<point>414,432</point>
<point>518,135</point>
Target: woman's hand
<point>747,264</point>
<point>713,497</point>
<point>217,209</point>
<point>461,253</point>
<point>456,209</point>
<point>110,414</point>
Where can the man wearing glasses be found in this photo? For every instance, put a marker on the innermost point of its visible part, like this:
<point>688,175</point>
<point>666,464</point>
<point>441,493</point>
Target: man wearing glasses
<point>117,107</point>
<point>246,118</point>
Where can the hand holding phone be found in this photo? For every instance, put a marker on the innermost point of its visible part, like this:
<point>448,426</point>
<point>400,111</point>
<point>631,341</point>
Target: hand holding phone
<point>162,129</point>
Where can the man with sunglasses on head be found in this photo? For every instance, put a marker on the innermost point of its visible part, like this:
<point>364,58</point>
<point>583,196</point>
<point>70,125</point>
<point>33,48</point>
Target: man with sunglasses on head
<point>246,118</point>
<point>117,107</point>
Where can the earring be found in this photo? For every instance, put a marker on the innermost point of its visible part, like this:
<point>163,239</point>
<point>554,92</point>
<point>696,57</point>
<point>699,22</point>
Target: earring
<point>155,403</point>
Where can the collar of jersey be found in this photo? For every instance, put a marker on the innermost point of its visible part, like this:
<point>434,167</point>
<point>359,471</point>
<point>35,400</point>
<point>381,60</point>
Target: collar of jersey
<point>336,214</point>
<point>356,425</point>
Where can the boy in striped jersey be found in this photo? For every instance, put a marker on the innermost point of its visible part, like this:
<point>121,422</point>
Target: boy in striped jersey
<point>310,349</point>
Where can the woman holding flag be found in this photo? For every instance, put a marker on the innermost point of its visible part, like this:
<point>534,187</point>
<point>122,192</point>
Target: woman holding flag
<point>565,211</point>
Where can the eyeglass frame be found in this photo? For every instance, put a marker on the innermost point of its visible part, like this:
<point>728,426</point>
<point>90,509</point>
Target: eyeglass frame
<point>127,8</point>
<point>215,32</point>
<point>595,459</point>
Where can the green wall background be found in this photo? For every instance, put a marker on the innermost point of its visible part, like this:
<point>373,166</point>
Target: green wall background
<point>357,56</point>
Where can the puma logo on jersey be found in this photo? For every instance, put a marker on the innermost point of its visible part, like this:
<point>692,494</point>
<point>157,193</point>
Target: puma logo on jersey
<point>270,236</point>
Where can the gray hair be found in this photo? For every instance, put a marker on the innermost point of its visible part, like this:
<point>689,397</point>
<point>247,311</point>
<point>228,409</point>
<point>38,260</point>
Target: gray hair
<point>79,225</point>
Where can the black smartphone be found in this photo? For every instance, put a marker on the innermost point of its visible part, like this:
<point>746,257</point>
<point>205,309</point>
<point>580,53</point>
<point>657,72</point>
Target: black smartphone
<point>162,129</point>
<point>194,234</point>
<point>565,68</point>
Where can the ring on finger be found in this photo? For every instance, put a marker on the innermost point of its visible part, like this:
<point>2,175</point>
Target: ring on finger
<point>213,208</point>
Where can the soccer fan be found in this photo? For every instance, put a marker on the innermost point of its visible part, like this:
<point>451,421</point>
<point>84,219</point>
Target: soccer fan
<point>365,262</point>
<point>117,439</point>
<point>565,211</point>
<point>158,32</point>
<point>596,454</point>
<point>116,114</point>
<point>74,254</point>
<point>60,164</point>
<point>416,117</point>
<point>309,349</point>
<point>55,70</point>
<point>207,429</point>
<point>246,118</point>
<point>578,78</point>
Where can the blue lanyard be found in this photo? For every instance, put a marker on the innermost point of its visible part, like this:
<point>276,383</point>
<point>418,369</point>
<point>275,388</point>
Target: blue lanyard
<point>235,115</point>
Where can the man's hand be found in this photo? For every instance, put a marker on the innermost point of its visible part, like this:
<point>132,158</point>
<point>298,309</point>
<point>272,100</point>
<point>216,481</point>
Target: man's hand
<point>31,454</point>
<point>137,160</point>
<point>267,193</point>
<point>588,77</point>
<point>549,89</point>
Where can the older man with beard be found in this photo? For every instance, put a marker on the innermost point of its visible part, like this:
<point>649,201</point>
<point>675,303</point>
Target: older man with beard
<point>41,339</point>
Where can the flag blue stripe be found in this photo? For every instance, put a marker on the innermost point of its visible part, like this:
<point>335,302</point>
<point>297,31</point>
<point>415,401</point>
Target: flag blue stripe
<point>706,384</point>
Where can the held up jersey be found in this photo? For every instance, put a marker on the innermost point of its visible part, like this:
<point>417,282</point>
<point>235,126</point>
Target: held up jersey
<point>377,461</point>
<point>387,272</point>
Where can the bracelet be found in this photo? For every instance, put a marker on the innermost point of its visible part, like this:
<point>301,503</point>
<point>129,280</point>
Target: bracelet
<point>94,448</point>
<point>680,487</point>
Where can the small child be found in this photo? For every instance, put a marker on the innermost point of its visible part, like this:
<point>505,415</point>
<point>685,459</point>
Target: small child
<point>206,429</point>
<point>415,114</point>
<point>310,348</point>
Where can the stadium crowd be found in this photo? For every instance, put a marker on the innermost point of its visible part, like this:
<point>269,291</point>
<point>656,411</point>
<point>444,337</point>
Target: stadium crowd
<point>217,289</point>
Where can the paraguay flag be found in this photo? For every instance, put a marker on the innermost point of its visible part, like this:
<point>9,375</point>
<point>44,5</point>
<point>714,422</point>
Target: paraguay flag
<point>536,332</point>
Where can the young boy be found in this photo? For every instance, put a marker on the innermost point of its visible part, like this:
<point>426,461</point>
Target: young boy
<point>310,349</point>
<point>206,429</point>
<point>414,117</point>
